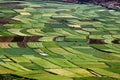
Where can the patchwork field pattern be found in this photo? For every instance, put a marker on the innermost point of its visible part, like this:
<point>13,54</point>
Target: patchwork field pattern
<point>58,41</point>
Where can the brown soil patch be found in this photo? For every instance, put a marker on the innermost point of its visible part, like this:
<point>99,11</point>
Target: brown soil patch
<point>116,41</point>
<point>22,44</point>
<point>4,21</point>
<point>31,39</point>
<point>7,20</point>
<point>96,41</point>
<point>6,39</point>
<point>20,39</point>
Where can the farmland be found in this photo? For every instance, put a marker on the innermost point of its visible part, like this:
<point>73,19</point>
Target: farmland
<point>51,40</point>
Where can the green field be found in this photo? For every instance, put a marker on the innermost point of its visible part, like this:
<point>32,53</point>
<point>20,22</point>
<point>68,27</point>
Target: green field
<point>50,40</point>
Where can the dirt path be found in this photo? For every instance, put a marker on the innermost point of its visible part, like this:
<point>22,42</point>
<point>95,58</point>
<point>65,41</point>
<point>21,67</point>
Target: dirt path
<point>94,73</point>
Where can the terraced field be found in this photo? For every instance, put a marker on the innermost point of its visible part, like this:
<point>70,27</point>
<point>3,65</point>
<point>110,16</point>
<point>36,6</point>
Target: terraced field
<point>50,40</point>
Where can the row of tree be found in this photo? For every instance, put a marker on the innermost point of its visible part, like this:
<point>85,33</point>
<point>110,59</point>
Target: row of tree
<point>91,1</point>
